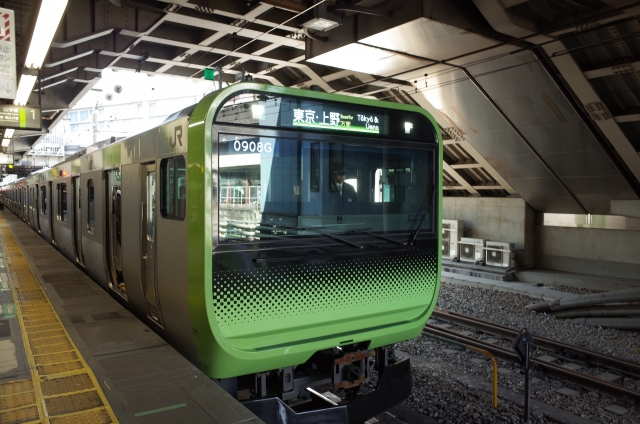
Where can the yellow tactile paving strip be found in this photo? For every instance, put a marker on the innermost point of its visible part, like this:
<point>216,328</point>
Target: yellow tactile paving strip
<point>62,388</point>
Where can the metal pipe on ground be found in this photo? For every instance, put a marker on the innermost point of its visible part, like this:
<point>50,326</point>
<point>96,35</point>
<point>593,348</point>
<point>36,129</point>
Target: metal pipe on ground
<point>599,311</point>
<point>620,323</point>
<point>630,295</point>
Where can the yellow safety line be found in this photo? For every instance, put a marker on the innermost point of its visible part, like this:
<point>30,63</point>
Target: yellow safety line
<point>32,307</point>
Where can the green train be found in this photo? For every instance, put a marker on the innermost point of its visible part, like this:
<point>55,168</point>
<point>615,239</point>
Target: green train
<point>282,240</point>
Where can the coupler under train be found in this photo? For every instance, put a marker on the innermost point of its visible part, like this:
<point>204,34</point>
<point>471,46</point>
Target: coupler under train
<point>329,388</point>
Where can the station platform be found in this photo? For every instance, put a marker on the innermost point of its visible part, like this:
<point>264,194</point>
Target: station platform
<point>69,353</point>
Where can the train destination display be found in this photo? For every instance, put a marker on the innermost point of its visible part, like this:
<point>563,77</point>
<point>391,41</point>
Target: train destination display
<point>328,116</point>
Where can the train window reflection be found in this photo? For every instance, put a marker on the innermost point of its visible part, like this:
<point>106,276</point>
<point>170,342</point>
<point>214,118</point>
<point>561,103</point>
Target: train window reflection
<point>173,192</point>
<point>91,223</point>
<point>271,188</point>
<point>43,200</point>
<point>62,202</point>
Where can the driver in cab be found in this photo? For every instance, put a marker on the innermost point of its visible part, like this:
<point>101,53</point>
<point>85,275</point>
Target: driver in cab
<point>341,190</point>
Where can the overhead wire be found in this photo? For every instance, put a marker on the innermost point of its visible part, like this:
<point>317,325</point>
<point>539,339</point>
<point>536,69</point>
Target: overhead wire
<point>225,39</point>
<point>181,65</point>
<point>264,33</point>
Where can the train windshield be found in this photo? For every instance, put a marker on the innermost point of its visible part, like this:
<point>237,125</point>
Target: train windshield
<point>270,188</point>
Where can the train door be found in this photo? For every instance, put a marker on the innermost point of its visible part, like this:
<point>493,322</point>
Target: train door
<point>77,220</point>
<point>51,214</point>
<point>23,190</point>
<point>114,230</point>
<point>28,193</point>
<point>36,210</point>
<point>149,282</point>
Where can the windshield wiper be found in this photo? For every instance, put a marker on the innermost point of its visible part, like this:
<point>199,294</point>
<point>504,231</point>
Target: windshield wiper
<point>378,236</point>
<point>340,239</point>
<point>414,235</point>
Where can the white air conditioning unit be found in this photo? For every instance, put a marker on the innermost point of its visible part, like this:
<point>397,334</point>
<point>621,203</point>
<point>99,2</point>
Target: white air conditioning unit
<point>500,254</point>
<point>471,250</point>
<point>451,232</point>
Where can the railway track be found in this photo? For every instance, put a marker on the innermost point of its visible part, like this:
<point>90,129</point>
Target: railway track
<point>556,349</point>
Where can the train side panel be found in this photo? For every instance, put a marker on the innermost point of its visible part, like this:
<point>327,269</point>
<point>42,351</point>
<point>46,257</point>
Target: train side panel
<point>62,218</point>
<point>32,210</point>
<point>172,243</point>
<point>44,210</point>
<point>131,237</point>
<point>92,184</point>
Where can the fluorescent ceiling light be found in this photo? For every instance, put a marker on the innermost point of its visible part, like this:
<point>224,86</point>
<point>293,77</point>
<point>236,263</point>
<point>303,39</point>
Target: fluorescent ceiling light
<point>320,24</point>
<point>24,89</point>
<point>5,142</point>
<point>49,18</point>
<point>8,133</point>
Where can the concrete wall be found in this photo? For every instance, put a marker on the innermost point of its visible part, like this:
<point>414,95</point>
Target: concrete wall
<point>630,208</point>
<point>508,220</point>
<point>611,253</point>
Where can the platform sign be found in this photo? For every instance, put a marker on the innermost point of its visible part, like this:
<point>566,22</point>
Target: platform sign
<point>20,117</point>
<point>209,74</point>
<point>7,55</point>
<point>6,159</point>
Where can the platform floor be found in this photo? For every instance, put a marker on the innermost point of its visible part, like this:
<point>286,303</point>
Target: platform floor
<point>69,353</point>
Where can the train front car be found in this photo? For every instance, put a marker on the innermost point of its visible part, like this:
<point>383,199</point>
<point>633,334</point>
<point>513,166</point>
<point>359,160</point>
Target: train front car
<point>313,245</point>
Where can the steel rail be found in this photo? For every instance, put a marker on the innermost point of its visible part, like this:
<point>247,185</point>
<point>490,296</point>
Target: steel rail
<point>546,343</point>
<point>566,374</point>
<point>494,364</point>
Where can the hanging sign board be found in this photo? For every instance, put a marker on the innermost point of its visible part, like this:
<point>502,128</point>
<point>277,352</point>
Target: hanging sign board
<point>20,117</point>
<point>7,55</point>
<point>6,159</point>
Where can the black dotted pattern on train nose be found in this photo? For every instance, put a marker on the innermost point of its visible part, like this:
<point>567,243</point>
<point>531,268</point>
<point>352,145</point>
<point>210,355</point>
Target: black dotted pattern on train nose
<point>290,291</point>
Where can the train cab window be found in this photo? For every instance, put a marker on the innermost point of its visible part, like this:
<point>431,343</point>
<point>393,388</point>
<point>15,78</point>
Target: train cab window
<point>271,187</point>
<point>43,200</point>
<point>173,188</point>
<point>62,202</point>
<point>91,222</point>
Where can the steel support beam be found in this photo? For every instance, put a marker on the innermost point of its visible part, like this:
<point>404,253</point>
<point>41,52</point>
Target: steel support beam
<point>627,118</point>
<point>580,85</point>
<point>607,71</point>
<point>464,185</point>
<point>465,165</point>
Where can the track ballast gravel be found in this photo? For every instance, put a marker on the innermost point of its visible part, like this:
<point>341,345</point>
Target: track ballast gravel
<point>450,384</point>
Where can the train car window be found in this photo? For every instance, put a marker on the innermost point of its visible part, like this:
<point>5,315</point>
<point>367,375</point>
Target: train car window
<point>43,200</point>
<point>173,191</point>
<point>62,202</point>
<point>91,223</point>
<point>271,187</point>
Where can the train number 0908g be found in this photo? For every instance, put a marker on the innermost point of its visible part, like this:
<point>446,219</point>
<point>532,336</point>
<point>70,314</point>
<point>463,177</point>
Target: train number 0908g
<point>251,146</point>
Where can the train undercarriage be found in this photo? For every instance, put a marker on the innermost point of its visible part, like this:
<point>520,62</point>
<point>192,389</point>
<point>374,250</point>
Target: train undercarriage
<point>347,384</point>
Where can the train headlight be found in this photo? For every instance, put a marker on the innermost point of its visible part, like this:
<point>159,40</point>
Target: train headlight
<point>408,126</point>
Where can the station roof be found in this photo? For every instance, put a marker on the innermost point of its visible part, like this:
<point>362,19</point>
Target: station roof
<point>536,98</point>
